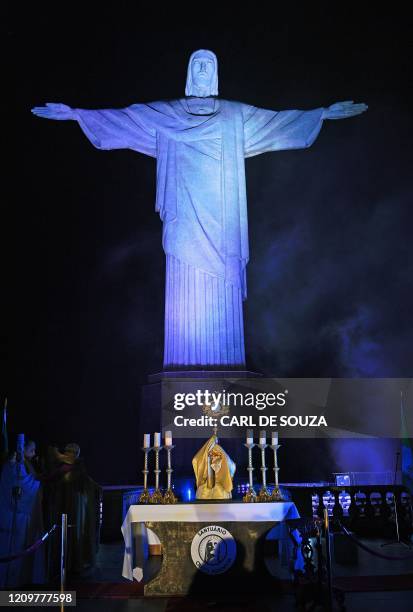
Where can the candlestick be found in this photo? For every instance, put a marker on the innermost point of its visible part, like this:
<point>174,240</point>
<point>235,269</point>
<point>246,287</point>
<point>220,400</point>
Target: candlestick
<point>250,495</point>
<point>274,438</point>
<point>156,497</point>
<point>250,437</point>
<point>263,438</point>
<point>146,440</point>
<point>276,494</point>
<point>145,496</point>
<point>168,438</point>
<point>169,497</point>
<point>157,439</point>
<point>263,495</point>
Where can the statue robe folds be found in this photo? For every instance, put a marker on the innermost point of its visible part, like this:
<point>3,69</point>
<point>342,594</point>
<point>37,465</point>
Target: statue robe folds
<point>201,199</point>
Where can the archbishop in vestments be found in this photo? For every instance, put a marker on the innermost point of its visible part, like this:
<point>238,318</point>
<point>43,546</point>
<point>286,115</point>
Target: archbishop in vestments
<point>214,471</point>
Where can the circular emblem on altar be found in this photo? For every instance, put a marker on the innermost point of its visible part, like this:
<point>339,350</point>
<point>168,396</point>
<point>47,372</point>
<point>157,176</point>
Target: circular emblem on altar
<point>213,549</point>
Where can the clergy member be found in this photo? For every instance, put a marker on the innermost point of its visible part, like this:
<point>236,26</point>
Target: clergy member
<point>214,471</point>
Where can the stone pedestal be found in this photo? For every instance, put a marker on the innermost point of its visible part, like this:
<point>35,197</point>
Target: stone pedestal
<point>151,413</point>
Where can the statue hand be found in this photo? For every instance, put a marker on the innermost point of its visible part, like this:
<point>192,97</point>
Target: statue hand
<point>343,110</point>
<point>60,112</point>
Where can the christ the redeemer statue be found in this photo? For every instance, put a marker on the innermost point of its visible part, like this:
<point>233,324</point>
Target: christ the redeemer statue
<point>200,143</point>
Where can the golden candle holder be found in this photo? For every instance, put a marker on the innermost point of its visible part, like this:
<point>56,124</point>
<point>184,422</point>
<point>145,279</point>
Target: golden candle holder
<point>145,496</point>
<point>263,495</point>
<point>276,495</point>
<point>156,497</point>
<point>250,496</point>
<point>169,497</point>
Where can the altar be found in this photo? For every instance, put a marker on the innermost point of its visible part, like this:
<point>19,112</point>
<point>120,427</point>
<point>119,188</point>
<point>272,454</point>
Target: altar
<point>205,547</point>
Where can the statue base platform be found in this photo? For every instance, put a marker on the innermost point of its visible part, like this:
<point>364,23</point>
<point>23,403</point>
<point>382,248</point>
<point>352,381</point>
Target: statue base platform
<point>151,405</point>
<point>150,417</point>
<point>201,374</point>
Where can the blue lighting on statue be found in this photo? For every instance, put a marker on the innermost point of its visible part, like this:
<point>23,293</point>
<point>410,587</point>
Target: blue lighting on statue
<point>200,142</point>
<point>189,494</point>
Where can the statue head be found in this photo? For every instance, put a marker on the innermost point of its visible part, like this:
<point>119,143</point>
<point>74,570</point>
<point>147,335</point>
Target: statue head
<point>202,77</point>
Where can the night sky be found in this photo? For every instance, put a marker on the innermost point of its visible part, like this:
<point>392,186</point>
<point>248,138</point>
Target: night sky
<point>330,276</point>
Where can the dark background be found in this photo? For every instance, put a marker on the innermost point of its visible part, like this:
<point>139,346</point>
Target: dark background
<point>330,277</point>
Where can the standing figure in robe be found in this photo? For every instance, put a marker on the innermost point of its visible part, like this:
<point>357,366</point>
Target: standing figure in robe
<point>70,490</point>
<point>200,142</point>
<point>21,520</point>
<point>214,471</point>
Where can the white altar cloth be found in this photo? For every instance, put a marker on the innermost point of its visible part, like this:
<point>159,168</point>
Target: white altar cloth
<point>200,513</point>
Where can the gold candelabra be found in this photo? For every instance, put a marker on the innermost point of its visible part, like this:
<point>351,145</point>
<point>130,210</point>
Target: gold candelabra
<point>250,495</point>
<point>145,495</point>
<point>169,497</point>
<point>263,495</point>
<point>156,497</point>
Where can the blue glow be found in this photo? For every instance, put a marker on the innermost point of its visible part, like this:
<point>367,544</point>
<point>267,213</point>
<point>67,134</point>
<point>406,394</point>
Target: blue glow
<point>202,238</point>
<point>184,489</point>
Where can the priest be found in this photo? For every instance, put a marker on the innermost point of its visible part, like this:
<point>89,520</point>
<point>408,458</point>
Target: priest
<point>214,471</point>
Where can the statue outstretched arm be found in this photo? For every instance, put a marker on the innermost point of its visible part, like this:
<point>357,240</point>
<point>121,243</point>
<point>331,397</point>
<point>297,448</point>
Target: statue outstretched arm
<point>267,130</point>
<point>106,128</point>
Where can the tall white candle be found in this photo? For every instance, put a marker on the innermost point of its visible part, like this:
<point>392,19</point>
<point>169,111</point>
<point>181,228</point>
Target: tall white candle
<point>146,440</point>
<point>263,437</point>
<point>274,438</point>
<point>157,439</point>
<point>168,438</point>
<point>250,436</point>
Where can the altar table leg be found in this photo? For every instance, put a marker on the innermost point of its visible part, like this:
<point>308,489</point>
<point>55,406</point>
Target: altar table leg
<point>140,550</point>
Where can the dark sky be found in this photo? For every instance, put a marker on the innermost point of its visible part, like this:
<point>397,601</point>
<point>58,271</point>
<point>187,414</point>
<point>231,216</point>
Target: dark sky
<point>330,277</point>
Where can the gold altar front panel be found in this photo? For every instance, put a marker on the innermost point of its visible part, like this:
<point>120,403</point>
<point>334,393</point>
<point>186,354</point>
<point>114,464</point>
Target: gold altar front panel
<point>179,575</point>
